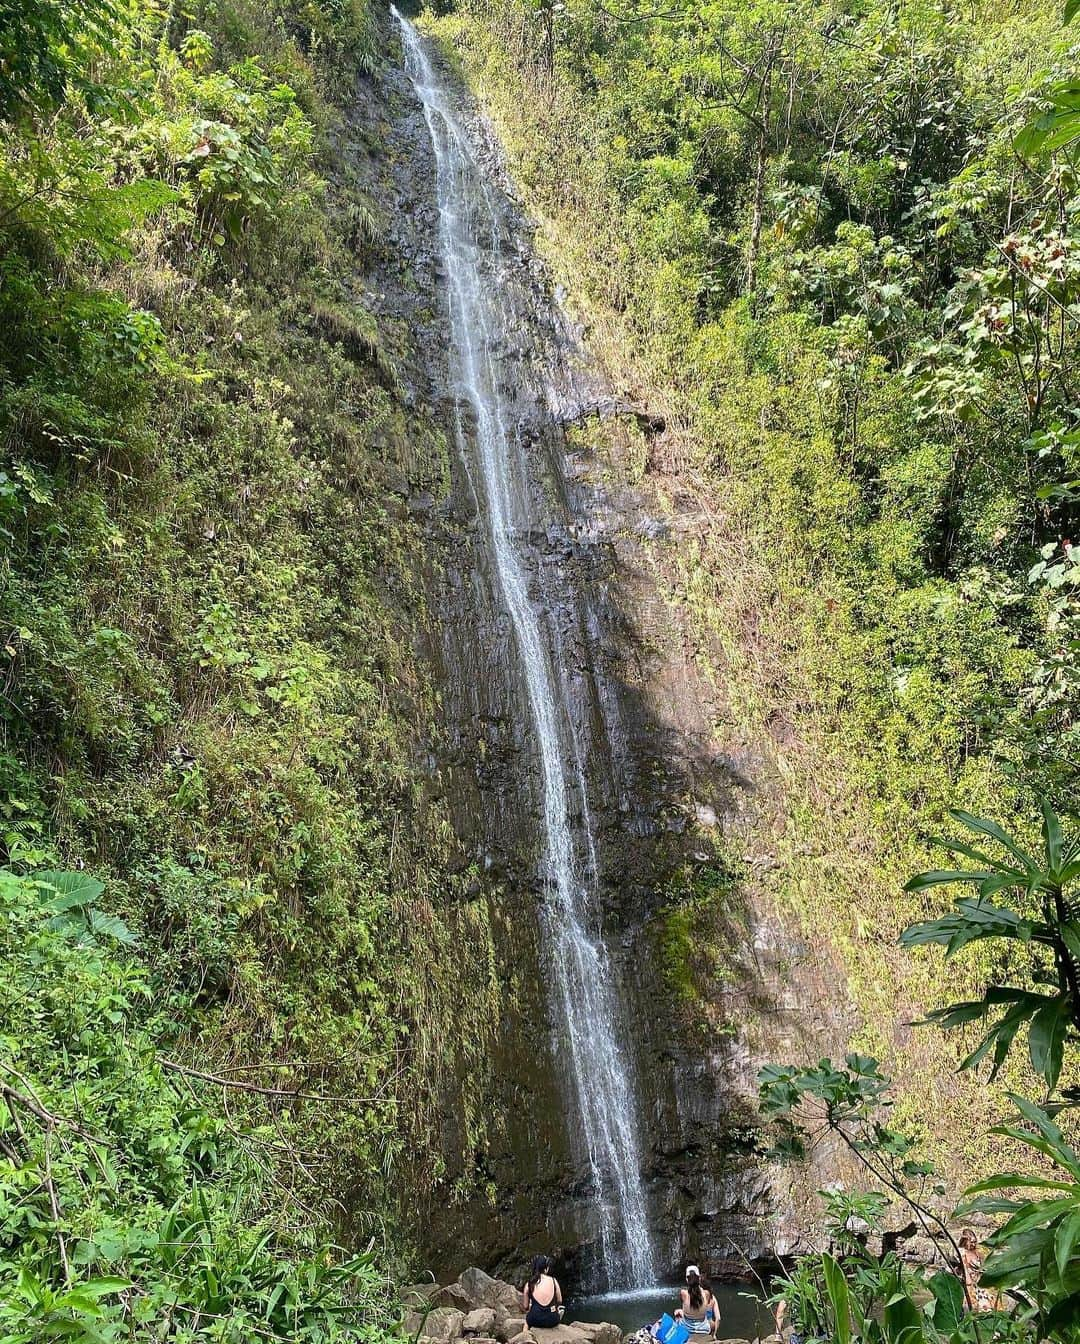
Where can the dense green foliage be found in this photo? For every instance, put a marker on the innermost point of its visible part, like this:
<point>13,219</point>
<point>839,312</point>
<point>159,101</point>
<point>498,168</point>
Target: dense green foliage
<point>128,1208</point>
<point>1035,1249</point>
<point>843,279</point>
<point>208,693</point>
<point>1043,916</point>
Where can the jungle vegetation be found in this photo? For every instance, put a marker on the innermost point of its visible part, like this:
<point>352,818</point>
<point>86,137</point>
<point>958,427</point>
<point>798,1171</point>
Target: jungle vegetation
<point>834,246</point>
<point>213,855</point>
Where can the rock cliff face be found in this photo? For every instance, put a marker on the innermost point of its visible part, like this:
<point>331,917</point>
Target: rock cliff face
<point>669,787</point>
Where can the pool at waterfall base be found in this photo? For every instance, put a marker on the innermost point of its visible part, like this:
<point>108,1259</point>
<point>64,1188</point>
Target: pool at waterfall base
<point>742,1312</point>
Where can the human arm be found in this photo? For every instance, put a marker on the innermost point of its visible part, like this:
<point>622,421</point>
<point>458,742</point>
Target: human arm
<point>525,1300</point>
<point>779,1314</point>
<point>557,1299</point>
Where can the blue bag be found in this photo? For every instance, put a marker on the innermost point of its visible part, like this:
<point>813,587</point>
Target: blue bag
<point>668,1331</point>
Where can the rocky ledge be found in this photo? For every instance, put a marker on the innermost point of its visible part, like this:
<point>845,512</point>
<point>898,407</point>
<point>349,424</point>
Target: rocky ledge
<point>483,1310</point>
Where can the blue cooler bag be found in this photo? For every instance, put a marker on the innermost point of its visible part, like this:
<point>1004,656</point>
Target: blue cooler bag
<point>669,1331</point>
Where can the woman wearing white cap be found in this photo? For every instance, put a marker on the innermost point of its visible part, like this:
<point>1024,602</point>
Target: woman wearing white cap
<point>698,1311</point>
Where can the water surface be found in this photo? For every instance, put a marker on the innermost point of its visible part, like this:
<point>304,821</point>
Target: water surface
<point>742,1313</point>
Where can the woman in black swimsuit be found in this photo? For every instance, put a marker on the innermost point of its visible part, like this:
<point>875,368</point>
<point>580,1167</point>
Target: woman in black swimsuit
<point>541,1297</point>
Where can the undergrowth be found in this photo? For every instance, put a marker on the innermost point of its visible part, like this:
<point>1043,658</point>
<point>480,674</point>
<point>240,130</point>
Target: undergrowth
<point>209,695</point>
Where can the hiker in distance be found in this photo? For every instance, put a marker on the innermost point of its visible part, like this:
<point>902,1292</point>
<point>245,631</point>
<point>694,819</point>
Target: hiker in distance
<point>541,1298</point>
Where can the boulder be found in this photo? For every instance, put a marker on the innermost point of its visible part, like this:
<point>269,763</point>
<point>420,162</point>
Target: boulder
<point>526,1337</point>
<point>507,1327</point>
<point>453,1295</point>
<point>418,1294</point>
<point>444,1323</point>
<point>598,1332</point>
<point>563,1334</point>
<point>481,1290</point>
<point>479,1321</point>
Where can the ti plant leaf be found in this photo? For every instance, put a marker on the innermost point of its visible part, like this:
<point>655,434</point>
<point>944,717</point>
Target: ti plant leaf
<point>1046,919</point>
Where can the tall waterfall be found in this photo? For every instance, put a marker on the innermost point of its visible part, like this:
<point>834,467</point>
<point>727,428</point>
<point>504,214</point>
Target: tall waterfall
<point>473,238</point>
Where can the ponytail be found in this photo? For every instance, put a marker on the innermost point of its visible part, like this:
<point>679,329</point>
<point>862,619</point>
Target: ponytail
<point>540,1266</point>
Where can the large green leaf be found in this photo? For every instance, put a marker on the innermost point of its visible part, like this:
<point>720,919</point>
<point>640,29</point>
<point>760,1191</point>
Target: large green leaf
<point>1036,1116</point>
<point>1021,1005</point>
<point>1064,1314</point>
<point>1014,1180</point>
<point>72,890</point>
<point>1055,128</point>
<point>1065,1239</point>
<point>836,1285</point>
<point>1020,1261</point>
<point>970,921</point>
<point>943,877</point>
<point>948,1300</point>
<point>1037,1213</point>
<point>1052,836</point>
<point>1046,1039</point>
<point>903,1321</point>
<point>982,826</point>
<point>112,926</point>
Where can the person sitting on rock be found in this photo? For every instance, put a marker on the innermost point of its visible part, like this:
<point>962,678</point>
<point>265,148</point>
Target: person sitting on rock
<point>541,1298</point>
<point>698,1310</point>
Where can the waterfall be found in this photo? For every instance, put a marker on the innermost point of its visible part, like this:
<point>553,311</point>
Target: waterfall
<point>601,1106</point>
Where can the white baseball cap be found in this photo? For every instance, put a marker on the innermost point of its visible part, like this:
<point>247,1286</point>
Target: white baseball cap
<point>693,1269</point>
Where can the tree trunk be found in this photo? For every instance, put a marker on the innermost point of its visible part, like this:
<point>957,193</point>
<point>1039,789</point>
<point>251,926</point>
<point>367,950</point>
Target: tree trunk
<point>754,244</point>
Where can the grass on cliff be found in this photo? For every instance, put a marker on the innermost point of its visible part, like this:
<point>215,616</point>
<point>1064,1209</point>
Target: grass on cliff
<point>209,696</point>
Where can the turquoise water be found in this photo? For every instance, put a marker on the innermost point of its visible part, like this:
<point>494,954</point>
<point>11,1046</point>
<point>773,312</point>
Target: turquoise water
<point>740,1315</point>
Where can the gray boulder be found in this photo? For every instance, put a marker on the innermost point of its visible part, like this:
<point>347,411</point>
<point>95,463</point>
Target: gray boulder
<point>598,1332</point>
<point>479,1321</point>
<point>508,1327</point>
<point>481,1290</point>
<point>563,1334</point>
<point>418,1295</point>
<point>444,1323</point>
<point>453,1295</point>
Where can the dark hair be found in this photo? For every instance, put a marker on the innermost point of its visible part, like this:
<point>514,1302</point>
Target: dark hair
<point>540,1266</point>
<point>696,1296</point>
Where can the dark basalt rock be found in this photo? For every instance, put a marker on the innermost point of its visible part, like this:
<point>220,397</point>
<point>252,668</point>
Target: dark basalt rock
<point>669,783</point>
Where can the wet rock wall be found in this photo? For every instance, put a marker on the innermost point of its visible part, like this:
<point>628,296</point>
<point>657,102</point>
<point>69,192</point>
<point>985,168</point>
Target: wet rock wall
<point>668,786</point>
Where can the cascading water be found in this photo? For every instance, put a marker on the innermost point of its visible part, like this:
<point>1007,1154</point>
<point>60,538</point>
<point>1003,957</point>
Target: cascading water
<point>473,239</point>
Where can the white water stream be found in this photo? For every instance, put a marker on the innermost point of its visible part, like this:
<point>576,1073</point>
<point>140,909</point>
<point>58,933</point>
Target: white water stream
<point>601,1105</point>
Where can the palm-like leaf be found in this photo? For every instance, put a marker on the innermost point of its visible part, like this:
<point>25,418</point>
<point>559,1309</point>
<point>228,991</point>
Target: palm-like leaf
<point>1048,1017</point>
